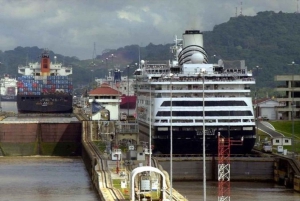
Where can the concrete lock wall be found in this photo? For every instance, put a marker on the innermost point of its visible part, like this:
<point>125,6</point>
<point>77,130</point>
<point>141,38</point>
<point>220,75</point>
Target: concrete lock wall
<point>256,169</point>
<point>25,139</point>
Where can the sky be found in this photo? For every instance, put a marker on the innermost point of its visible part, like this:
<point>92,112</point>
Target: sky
<point>82,28</point>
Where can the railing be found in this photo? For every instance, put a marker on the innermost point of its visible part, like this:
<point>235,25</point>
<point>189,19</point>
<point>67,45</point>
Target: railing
<point>200,80</point>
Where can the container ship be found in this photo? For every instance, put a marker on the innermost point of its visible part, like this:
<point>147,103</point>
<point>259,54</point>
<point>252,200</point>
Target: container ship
<point>8,88</point>
<point>44,87</point>
<point>189,98</point>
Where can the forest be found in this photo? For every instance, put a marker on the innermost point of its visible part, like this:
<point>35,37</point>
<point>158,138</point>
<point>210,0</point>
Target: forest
<point>269,40</point>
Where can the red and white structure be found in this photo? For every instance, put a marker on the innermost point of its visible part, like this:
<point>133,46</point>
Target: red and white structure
<point>224,145</point>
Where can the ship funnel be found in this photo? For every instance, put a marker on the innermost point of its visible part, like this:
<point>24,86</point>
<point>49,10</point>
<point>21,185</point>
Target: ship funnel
<point>192,45</point>
<point>45,64</point>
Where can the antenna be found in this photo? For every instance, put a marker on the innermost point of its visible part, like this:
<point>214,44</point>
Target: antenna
<point>139,56</point>
<point>94,56</point>
<point>94,51</point>
<point>241,12</point>
<point>26,59</point>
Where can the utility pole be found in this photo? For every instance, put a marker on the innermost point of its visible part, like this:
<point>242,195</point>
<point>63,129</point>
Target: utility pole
<point>128,90</point>
<point>256,105</point>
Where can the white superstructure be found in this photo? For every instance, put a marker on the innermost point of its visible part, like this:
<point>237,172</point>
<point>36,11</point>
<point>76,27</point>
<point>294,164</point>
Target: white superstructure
<point>8,87</point>
<point>36,69</point>
<point>177,90</point>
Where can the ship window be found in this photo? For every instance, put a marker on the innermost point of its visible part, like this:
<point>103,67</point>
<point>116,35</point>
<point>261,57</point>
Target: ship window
<point>199,103</point>
<point>188,129</point>
<point>162,128</point>
<point>235,128</point>
<point>207,113</point>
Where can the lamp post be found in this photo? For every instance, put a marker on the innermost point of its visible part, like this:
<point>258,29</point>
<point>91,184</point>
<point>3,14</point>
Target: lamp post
<point>112,59</point>
<point>293,105</point>
<point>256,105</point>
<point>106,60</point>
<point>214,56</point>
<point>128,89</point>
<point>203,131</point>
<point>150,122</point>
<point>137,72</point>
<point>171,136</point>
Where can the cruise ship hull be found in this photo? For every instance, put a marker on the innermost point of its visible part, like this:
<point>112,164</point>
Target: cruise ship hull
<point>189,142</point>
<point>44,103</point>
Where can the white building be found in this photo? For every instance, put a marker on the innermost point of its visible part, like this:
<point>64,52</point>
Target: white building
<point>105,103</point>
<point>267,108</point>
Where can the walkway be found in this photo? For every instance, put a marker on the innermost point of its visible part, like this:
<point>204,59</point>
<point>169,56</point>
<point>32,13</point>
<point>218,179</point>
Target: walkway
<point>269,129</point>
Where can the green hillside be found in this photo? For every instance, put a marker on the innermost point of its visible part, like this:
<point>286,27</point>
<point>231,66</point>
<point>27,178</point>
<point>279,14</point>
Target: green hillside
<point>269,40</point>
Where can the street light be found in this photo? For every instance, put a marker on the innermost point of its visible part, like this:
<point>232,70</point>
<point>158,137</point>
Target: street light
<point>112,59</point>
<point>293,105</point>
<point>256,105</point>
<point>128,89</point>
<point>171,137</point>
<point>150,131</point>
<point>203,131</point>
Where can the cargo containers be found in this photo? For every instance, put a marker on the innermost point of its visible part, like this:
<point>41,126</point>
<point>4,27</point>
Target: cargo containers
<point>44,87</point>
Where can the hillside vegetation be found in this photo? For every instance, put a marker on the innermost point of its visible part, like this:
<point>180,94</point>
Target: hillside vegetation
<point>269,40</point>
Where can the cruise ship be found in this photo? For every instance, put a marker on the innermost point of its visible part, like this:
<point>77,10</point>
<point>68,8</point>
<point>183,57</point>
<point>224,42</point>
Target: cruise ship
<point>45,87</point>
<point>189,96</point>
<point>8,88</point>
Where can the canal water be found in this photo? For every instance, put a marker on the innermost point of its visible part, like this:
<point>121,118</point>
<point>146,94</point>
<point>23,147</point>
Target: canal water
<point>240,191</point>
<point>66,179</point>
<point>46,179</point>
<point>8,106</point>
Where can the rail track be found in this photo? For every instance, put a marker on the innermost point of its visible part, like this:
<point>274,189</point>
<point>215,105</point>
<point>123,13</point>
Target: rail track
<point>105,182</point>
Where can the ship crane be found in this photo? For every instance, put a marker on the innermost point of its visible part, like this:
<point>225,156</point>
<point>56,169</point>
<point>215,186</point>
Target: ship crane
<point>224,145</point>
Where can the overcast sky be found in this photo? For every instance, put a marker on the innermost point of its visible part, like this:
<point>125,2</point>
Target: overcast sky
<point>71,27</point>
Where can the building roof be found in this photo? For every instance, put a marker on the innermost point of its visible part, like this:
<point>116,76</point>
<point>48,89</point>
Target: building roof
<point>263,100</point>
<point>104,90</point>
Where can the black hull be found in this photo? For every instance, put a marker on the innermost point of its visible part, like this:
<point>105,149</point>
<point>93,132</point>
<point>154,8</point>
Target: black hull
<point>44,103</point>
<point>189,142</point>
<point>195,147</point>
<point>8,98</point>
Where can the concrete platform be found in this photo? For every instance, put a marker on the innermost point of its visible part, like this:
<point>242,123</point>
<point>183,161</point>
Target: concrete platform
<point>40,119</point>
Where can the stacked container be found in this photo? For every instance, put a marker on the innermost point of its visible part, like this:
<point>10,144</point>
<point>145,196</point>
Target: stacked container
<point>44,85</point>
